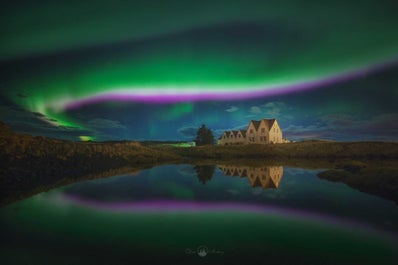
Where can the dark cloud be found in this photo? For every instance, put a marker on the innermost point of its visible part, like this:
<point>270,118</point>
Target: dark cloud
<point>347,127</point>
<point>188,132</point>
<point>34,123</point>
<point>105,124</point>
<point>20,95</point>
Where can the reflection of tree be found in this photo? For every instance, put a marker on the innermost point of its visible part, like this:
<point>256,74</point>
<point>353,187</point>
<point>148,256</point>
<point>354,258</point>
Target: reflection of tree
<point>205,172</point>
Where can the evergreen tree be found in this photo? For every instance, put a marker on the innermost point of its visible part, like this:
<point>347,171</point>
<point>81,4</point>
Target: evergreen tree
<point>204,136</point>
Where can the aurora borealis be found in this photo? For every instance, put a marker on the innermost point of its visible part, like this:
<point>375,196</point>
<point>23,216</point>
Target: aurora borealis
<point>111,70</point>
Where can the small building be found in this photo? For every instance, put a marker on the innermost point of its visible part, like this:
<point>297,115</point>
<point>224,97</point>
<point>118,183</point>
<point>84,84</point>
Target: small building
<point>264,131</point>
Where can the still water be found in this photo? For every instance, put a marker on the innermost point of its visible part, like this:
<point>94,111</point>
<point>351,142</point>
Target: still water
<point>207,214</point>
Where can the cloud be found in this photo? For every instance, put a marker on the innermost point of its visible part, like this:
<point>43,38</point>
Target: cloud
<point>232,109</point>
<point>188,131</point>
<point>105,124</point>
<point>256,110</point>
<point>274,104</point>
<point>33,123</point>
<point>21,95</point>
<point>218,132</point>
<point>274,109</point>
<point>347,127</point>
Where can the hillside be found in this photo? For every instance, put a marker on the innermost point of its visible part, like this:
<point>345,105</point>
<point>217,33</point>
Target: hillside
<point>24,157</point>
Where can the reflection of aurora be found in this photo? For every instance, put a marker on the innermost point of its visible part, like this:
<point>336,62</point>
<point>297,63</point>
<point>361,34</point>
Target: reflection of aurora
<point>240,230</point>
<point>189,207</point>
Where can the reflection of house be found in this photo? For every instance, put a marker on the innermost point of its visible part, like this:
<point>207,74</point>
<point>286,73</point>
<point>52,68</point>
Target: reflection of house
<point>262,132</point>
<point>265,177</point>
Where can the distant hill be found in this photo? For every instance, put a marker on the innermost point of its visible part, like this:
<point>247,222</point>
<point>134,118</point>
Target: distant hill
<point>5,130</point>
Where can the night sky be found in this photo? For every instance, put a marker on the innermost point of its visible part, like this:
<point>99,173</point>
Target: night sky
<point>157,70</point>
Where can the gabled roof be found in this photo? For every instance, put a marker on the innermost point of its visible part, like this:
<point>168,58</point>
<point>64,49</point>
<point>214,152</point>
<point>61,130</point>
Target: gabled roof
<point>269,122</point>
<point>224,133</point>
<point>243,132</point>
<point>256,124</point>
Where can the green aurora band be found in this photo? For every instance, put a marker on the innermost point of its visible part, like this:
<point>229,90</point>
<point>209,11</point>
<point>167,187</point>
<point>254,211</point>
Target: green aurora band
<point>60,54</point>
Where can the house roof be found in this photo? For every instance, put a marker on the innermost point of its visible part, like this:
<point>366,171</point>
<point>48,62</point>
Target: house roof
<point>256,124</point>
<point>243,132</point>
<point>268,122</point>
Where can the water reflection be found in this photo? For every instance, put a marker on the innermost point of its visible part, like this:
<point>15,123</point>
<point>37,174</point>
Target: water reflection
<point>265,176</point>
<point>161,212</point>
<point>204,172</point>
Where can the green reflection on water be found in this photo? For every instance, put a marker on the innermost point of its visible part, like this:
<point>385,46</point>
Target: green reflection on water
<point>44,229</point>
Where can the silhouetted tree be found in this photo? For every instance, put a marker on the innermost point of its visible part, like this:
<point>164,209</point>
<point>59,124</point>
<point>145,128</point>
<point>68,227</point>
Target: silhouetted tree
<point>205,172</point>
<point>204,136</point>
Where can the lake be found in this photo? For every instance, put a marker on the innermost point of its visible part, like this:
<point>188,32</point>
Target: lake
<point>202,214</point>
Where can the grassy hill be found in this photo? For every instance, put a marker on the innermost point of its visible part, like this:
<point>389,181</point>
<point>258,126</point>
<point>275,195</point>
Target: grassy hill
<point>308,150</point>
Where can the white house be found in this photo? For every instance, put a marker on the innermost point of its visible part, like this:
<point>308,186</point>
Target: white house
<point>264,131</point>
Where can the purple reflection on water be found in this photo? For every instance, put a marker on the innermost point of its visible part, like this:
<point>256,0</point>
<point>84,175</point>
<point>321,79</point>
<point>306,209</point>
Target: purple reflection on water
<point>175,206</point>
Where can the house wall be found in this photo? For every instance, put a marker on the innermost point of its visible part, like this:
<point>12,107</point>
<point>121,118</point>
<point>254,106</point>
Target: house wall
<point>240,139</point>
<point>223,140</point>
<point>262,133</point>
<point>231,139</point>
<point>275,134</point>
<point>251,134</point>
